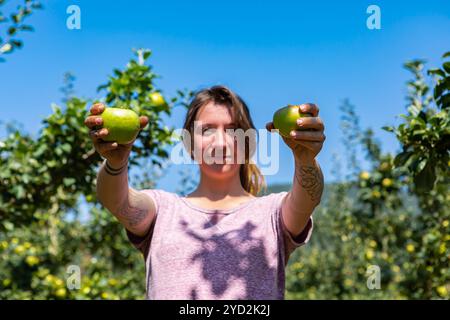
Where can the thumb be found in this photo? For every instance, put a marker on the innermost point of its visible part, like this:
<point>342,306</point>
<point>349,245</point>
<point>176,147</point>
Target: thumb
<point>143,120</point>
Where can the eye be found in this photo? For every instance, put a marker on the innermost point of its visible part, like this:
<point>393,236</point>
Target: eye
<point>207,131</point>
<point>230,131</point>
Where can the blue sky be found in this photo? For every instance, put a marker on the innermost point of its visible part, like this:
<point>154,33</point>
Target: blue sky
<point>270,52</point>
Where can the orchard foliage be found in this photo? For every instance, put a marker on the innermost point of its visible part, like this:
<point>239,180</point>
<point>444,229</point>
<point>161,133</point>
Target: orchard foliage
<point>45,226</point>
<point>394,216</point>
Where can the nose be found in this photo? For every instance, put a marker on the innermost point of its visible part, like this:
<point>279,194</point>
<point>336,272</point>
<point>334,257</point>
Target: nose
<point>219,144</point>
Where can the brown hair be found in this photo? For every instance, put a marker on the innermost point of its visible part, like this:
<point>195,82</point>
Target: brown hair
<point>251,178</point>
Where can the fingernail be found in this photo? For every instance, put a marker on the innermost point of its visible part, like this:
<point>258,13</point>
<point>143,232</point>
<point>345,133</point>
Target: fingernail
<point>114,144</point>
<point>293,133</point>
<point>299,121</point>
<point>98,121</point>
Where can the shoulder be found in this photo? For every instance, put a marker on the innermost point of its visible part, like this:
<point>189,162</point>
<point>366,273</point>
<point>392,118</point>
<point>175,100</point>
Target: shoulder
<point>268,204</point>
<point>159,196</point>
<point>273,200</point>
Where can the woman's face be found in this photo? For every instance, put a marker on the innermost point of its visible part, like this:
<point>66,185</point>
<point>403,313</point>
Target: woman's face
<point>217,148</point>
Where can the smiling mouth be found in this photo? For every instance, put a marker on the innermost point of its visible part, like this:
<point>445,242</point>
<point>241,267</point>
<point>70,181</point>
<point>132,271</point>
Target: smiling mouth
<point>223,160</point>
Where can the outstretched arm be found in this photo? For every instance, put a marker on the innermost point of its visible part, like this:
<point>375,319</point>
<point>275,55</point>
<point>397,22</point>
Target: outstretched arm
<point>134,209</point>
<point>305,142</point>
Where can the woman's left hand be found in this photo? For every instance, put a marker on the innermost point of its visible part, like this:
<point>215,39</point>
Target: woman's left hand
<point>307,141</point>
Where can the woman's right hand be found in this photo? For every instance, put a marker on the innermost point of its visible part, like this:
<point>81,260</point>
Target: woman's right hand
<point>116,154</point>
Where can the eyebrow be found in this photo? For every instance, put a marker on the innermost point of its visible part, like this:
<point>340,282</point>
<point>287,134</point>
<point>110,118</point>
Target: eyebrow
<point>204,124</point>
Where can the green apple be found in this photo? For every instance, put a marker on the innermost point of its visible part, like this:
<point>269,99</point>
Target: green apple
<point>123,125</point>
<point>285,119</point>
<point>157,99</point>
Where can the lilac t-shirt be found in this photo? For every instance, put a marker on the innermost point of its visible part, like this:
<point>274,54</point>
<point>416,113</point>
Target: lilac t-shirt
<point>195,253</point>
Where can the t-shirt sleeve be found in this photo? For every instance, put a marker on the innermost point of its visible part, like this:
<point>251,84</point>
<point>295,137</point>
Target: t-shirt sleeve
<point>286,240</point>
<point>142,243</point>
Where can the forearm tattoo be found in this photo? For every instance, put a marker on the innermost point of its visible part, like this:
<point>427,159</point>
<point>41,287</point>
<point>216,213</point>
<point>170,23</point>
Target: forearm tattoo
<point>311,179</point>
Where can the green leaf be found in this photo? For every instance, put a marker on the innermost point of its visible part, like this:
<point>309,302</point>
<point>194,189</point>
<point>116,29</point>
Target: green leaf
<point>401,158</point>
<point>414,110</point>
<point>25,178</point>
<point>16,43</point>
<point>26,28</point>
<point>66,147</point>
<point>388,128</point>
<point>420,165</point>
<point>102,87</point>
<point>446,83</point>
<point>419,132</point>
<point>20,192</point>
<point>447,67</point>
<point>446,55</point>
<point>438,90</point>
<point>424,180</point>
<point>68,181</point>
<point>423,116</point>
<point>438,72</point>
<point>444,101</point>
<point>147,54</point>
<point>12,31</point>
<point>414,65</point>
<point>16,18</point>
<point>8,225</point>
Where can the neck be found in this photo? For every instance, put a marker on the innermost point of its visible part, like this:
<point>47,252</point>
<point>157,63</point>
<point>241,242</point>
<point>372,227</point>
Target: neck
<point>215,189</point>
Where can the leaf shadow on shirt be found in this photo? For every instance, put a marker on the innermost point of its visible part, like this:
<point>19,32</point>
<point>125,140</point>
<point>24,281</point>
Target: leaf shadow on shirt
<point>231,256</point>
